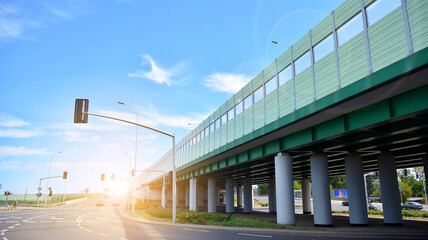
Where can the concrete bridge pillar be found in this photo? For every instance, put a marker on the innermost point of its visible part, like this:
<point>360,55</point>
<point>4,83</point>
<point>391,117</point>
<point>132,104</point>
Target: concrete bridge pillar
<point>212,195</point>
<point>356,192</point>
<point>192,194</point>
<point>306,196</point>
<point>425,162</point>
<point>239,195</point>
<point>321,190</point>
<point>284,189</point>
<point>199,195</point>
<point>248,195</point>
<point>230,201</point>
<point>389,190</point>
<point>272,194</point>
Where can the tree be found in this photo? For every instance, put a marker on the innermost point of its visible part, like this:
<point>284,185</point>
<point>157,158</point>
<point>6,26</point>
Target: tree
<point>373,185</point>
<point>297,185</point>
<point>406,191</point>
<point>338,182</point>
<point>263,189</point>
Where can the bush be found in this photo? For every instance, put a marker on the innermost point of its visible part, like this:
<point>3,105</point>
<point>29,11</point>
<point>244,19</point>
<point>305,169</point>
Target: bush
<point>159,212</point>
<point>415,213</point>
<point>201,217</point>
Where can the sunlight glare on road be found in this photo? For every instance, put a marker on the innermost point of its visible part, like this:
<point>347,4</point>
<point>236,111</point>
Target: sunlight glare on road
<point>119,187</point>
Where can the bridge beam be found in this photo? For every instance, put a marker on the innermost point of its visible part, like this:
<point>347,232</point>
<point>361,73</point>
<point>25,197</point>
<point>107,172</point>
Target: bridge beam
<point>212,195</point>
<point>230,208</point>
<point>284,189</point>
<point>321,190</point>
<point>239,195</point>
<point>306,196</point>
<point>356,192</point>
<point>248,195</point>
<point>272,194</point>
<point>389,190</point>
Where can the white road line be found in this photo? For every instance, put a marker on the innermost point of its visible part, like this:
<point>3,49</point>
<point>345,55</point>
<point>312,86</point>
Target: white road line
<point>81,227</point>
<point>100,218</point>
<point>45,221</point>
<point>4,238</point>
<point>60,221</point>
<point>12,221</point>
<point>123,239</point>
<point>17,224</point>
<point>88,230</point>
<point>102,234</point>
<point>254,235</point>
<point>11,227</point>
<point>2,233</point>
<point>4,230</point>
<point>90,221</point>
<point>195,230</point>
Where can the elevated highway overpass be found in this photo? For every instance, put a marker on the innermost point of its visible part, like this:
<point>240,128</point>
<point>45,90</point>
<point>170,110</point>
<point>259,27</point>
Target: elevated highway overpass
<point>349,97</point>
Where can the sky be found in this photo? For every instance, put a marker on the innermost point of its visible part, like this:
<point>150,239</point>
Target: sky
<point>174,61</point>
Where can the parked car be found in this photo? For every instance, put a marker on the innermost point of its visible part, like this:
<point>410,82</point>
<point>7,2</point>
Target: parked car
<point>345,203</point>
<point>412,205</point>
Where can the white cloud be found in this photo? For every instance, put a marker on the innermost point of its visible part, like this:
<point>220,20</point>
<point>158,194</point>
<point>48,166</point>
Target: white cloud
<point>18,133</point>
<point>156,73</point>
<point>9,121</point>
<point>226,82</point>
<point>19,151</point>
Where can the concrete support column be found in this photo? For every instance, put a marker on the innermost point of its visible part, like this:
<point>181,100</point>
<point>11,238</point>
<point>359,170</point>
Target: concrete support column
<point>212,195</point>
<point>230,208</point>
<point>218,196</point>
<point>186,196</point>
<point>389,190</point>
<point>306,196</point>
<point>239,195</point>
<point>425,162</point>
<point>248,195</point>
<point>272,194</point>
<point>199,195</point>
<point>284,189</point>
<point>356,192</point>
<point>192,194</point>
<point>321,190</point>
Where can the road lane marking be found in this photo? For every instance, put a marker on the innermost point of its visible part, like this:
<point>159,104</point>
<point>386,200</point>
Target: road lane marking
<point>4,230</point>
<point>123,239</point>
<point>254,235</point>
<point>195,230</point>
<point>17,224</point>
<point>45,221</point>
<point>100,218</point>
<point>4,238</point>
<point>90,221</point>
<point>102,234</point>
<point>2,233</point>
<point>11,227</point>
<point>54,218</point>
<point>60,221</point>
<point>12,221</point>
<point>88,230</point>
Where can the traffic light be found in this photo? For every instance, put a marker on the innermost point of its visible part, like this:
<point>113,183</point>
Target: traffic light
<point>7,193</point>
<point>64,175</point>
<point>80,109</point>
<point>112,177</point>
<point>103,176</point>
<point>50,193</point>
<point>417,176</point>
<point>376,174</point>
<point>405,172</point>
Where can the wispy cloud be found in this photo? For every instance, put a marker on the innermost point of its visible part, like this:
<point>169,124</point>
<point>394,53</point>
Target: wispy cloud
<point>9,121</point>
<point>18,133</point>
<point>19,151</point>
<point>226,82</point>
<point>157,73</point>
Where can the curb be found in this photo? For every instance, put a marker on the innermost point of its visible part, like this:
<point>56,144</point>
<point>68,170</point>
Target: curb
<point>125,215</point>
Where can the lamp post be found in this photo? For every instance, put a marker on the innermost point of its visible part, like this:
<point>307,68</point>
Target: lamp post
<point>65,181</point>
<point>49,174</point>
<point>136,145</point>
<point>275,42</point>
<point>129,172</point>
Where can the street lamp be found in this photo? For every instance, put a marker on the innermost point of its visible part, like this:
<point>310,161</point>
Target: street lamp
<point>136,145</point>
<point>275,42</point>
<point>49,174</point>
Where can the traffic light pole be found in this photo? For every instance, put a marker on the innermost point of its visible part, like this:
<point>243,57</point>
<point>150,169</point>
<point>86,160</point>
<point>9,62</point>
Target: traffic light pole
<point>172,135</point>
<point>40,189</point>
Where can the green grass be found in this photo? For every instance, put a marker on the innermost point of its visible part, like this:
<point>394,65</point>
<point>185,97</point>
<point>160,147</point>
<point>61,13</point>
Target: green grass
<point>204,218</point>
<point>406,213</point>
<point>31,200</point>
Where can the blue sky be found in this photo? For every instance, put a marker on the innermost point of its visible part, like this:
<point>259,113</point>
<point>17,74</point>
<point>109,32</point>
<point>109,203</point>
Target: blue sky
<point>175,61</point>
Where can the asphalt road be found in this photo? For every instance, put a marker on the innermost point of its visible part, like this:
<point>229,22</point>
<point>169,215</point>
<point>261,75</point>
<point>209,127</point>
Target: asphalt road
<point>85,220</point>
